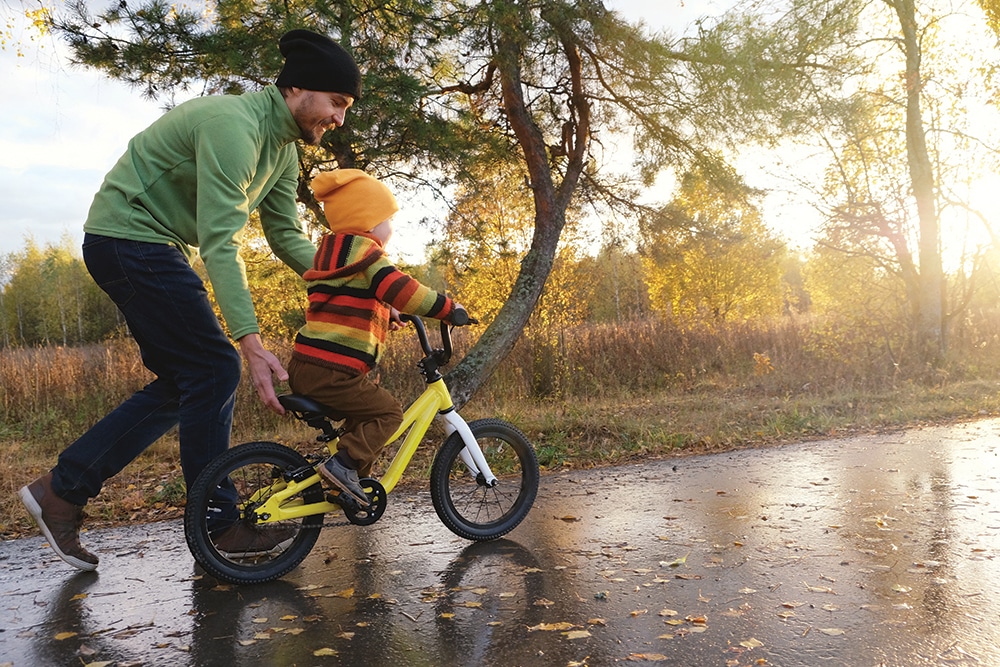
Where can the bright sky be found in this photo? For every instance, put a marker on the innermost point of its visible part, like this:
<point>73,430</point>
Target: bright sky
<point>63,127</point>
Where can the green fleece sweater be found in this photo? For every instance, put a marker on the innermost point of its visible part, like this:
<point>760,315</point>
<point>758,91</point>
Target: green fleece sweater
<point>191,180</point>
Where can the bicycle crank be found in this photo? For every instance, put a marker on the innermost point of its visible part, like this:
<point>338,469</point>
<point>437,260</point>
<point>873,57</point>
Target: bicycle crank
<point>363,516</point>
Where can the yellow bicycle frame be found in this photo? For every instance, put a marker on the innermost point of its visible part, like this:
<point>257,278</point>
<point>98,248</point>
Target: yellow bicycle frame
<point>284,503</point>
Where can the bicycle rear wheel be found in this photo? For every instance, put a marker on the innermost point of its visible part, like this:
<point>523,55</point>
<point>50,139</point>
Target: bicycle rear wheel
<point>465,503</point>
<point>233,486</point>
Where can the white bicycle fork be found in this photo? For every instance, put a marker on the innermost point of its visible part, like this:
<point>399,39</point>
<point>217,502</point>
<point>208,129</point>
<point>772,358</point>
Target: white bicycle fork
<point>472,454</point>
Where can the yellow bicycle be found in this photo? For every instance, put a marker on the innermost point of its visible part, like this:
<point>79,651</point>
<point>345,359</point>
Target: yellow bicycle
<point>484,479</point>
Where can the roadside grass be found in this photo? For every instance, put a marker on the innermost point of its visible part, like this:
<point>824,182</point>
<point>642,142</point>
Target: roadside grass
<point>567,433</point>
<point>599,395</point>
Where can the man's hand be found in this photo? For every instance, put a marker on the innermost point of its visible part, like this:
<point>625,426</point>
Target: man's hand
<point>264,369</point>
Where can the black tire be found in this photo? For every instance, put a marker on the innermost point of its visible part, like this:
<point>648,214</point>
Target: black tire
<point>252,468</point>
<point>466,505</point>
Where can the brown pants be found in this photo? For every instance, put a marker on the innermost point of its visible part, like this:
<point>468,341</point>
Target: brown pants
<point>373,414</point>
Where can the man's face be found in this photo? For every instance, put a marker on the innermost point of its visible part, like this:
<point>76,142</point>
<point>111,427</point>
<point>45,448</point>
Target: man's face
<point>315,112</point>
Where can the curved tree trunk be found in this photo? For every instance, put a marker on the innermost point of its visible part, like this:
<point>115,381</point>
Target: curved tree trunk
<point>551,201</point>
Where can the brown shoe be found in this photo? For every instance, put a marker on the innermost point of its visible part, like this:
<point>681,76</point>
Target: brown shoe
<point>243,541</point>
<point>59,520</point>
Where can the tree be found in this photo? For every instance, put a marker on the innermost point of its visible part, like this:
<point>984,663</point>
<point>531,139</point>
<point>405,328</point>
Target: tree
<point>47,298</point>
<point>709,257</point>
<point>902,147</point>
<point>452,84</point>
<point>618,285</point>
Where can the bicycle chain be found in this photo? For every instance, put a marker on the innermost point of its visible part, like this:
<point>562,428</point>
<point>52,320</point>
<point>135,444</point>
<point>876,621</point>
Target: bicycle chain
<point>328,524</point>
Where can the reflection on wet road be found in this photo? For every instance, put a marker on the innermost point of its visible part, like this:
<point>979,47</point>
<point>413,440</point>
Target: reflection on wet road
<point>880,550</point>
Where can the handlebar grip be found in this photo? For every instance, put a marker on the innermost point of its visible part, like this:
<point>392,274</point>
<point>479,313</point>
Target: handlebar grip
<point>460,317</point>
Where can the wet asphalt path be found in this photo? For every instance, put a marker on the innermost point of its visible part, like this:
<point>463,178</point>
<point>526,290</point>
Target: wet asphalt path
<point>878,550</point>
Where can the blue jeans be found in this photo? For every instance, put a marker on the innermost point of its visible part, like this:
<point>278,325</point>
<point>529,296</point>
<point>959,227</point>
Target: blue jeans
<point>197,368</point>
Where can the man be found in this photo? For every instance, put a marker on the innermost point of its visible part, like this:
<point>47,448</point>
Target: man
<point>190,180</point>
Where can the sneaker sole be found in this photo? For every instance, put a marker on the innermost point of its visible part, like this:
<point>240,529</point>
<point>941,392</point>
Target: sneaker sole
<point>35,510</point>
<point>363,501</point>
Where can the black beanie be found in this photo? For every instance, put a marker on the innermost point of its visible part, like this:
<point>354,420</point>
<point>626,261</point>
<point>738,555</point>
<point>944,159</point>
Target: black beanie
<point>316,62</point>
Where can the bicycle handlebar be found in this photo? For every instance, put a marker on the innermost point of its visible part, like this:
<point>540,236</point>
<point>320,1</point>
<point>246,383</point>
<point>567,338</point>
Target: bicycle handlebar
<point>459,318</point>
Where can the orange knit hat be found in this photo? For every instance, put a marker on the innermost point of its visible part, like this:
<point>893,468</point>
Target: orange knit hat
<point>352,200</point>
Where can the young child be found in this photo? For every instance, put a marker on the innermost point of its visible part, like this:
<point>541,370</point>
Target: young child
<point>353,293</point>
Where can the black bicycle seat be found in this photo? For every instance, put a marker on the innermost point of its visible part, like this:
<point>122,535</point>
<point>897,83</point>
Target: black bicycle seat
<point>307,407</point>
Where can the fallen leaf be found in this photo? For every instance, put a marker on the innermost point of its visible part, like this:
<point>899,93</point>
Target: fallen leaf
<point>64,635</point>
<point>346,593</point>
<point>79,596</point>
<point>651,657</point>
<point>568,518</point>
<point>638,612</point>
<point>833,632</point>
<point>667,612</point>
<point>543,602</point>
<point>820,589</point>
<point>675,563</point>
<point>576,634</point>
<point>751,643</point>
<point>319,653</point>
<point>345,635</point>
<point>546,627</point>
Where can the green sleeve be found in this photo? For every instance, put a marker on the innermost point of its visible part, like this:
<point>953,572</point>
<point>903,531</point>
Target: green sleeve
<point>279,217</point>
<point>226,158</point>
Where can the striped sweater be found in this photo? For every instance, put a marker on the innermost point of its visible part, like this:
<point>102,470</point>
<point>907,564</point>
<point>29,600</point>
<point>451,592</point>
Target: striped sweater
<point>351,286</point>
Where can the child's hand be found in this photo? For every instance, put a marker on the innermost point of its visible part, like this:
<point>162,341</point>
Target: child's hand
<point>395,323</point>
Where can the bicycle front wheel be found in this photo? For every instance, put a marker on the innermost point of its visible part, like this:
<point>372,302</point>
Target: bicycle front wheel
<point>464,502</point>
<point>220,521</point>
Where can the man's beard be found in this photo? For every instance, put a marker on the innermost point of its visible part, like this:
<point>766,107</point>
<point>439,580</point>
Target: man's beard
<point>311,136</point>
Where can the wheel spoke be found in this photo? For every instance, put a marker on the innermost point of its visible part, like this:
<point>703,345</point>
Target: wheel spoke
<point>469,507</point>
<point>235,547</point>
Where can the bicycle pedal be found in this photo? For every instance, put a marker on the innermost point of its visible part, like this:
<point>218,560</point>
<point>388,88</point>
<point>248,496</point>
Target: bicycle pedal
<point>344,500</point>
